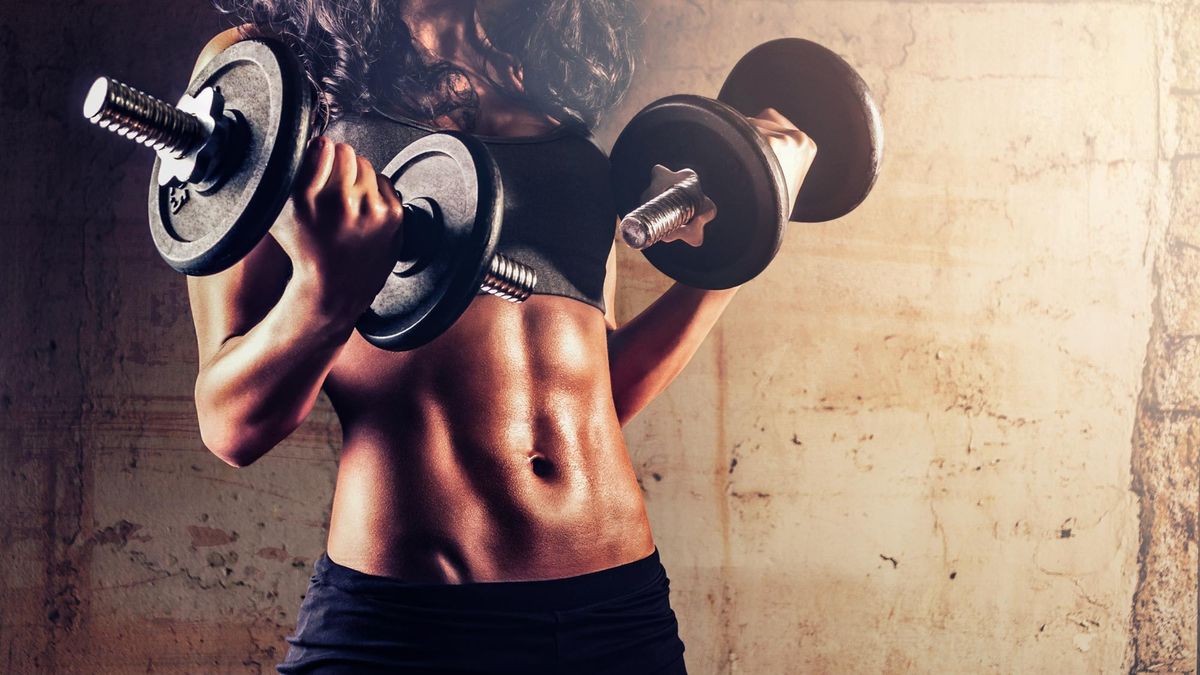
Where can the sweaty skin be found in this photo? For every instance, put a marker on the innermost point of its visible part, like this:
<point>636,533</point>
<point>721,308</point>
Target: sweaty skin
<point>493,453</point>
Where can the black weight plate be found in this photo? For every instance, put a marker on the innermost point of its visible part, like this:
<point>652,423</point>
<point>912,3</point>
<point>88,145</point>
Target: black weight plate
<point>737,171</point>
<point>206,233</point>
<point>421,300</point>
<point>825,98</point>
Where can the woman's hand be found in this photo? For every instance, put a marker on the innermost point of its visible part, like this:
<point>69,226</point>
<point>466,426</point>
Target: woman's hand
<point>793,147</point>
<point>343,236</point>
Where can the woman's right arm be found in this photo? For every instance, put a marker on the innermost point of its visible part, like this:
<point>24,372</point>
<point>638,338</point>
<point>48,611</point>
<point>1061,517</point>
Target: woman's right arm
<point>267,340</point>
<point>270,328</point>
<point>261,367</point>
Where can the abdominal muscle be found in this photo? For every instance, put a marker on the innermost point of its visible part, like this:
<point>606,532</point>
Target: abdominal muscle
<point>493,453</point>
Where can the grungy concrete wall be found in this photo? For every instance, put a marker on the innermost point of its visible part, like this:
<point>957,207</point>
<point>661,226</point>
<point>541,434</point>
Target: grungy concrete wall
<point>954,432</point>
<point>908,446</point>
<point>1167,432</point>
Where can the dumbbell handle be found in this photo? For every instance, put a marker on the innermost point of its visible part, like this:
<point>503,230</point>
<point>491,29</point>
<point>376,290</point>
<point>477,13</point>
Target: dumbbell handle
<point>156,124</point>
<point>651,222</point>
<point>420,235</point>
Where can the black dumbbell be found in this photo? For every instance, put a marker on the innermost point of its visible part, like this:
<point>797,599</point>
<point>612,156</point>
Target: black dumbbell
<point>734,167</point>
<point>230,151</point>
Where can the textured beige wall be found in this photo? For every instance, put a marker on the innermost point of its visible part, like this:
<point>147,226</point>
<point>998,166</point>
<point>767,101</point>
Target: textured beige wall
<point>908,447</point>
<point>954,432</point>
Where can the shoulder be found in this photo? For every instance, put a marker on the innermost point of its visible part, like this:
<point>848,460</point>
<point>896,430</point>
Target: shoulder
<point>220,42</point>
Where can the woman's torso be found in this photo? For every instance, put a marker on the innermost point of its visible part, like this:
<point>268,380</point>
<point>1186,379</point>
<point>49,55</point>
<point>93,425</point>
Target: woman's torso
<point>493,453</point>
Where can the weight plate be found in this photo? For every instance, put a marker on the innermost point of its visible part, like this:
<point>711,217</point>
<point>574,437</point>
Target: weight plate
<point>825,98</point>
<point>454,175</point>
<point>204,233</point>
<point>737,171</point>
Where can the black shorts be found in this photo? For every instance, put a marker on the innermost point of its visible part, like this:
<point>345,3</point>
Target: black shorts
<point>617,620</point>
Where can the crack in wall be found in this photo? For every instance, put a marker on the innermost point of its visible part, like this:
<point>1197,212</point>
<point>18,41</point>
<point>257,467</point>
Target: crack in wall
<point>1163,439</point>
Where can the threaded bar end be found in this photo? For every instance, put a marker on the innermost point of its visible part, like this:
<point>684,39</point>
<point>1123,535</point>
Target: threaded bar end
<point>509,279</point>
<point>142,118</point>
<point>659,217</point>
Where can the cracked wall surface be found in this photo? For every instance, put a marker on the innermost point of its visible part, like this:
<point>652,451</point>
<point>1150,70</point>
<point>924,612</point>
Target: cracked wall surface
<point>953,432</point>
<point>928,438</point>
<point>1167,433</point>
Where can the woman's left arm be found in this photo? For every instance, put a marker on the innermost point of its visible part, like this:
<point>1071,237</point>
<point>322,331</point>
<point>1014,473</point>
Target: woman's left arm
<point>647,353</point>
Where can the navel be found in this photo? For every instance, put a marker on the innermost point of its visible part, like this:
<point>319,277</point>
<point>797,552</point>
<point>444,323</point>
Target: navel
<point>542,467</point>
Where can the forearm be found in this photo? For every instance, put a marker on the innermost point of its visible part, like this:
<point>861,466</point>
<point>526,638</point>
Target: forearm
<point>649,352</point>
<point>259,386</point>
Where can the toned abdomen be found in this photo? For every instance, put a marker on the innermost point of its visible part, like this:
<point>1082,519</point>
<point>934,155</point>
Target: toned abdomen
<point>493,453</point>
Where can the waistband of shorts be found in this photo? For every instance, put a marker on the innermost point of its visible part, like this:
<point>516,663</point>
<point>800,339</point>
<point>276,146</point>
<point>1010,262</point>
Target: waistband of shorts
<point>542,595</point>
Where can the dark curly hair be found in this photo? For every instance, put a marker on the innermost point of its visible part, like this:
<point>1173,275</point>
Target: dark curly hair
<point>577,57</point>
